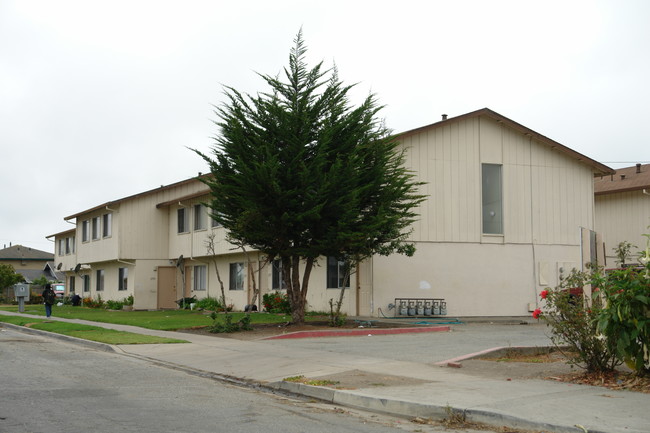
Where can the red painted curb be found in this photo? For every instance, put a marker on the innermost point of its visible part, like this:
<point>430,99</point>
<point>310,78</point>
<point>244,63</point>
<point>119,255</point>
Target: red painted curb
<point>357,332</point>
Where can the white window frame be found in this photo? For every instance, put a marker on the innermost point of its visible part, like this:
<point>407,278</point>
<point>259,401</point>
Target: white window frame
<point>96,228</point>
<point>122,278</point>
<point>492,199</point>
<point>182,223</point>
<point>199,217</point>
<point>340,273</point>
<point>107,225</point>
<point>236,276</point>
<point>99,283</point>
<point>200,274</point>
<point>85,231</point>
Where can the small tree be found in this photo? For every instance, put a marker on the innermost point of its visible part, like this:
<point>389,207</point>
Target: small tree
<point>8,277</point>
<point>299,173</point>
<point>623,252</point>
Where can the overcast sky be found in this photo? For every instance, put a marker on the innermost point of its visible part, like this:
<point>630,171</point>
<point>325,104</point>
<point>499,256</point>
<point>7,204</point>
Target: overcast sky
<point>99,100</point>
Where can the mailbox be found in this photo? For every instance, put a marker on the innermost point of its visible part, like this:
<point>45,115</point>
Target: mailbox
<point>21,291</point>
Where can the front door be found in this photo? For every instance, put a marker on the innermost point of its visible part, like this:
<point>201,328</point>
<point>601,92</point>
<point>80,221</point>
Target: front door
<point>167,287</point>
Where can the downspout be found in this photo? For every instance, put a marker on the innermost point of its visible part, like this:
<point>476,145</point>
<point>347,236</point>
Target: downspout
<point>532,226</point>
<point>183,279</point>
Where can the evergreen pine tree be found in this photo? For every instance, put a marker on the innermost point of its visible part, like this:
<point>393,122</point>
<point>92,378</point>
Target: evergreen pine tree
<point>298,173</point>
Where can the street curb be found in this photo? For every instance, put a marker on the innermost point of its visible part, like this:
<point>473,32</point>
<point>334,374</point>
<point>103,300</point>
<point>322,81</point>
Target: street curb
<point>409,409</point>
<point>356,332</point>
<point>89,343</point>
<point>496,351</point>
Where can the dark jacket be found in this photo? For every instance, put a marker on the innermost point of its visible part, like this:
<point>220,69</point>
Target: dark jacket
<point>49,297</point>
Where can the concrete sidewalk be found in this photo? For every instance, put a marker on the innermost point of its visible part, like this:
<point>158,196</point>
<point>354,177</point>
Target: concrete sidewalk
<point>527,404</point>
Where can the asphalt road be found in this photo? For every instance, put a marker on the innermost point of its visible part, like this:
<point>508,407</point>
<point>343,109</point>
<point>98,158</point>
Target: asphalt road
<point>50,386</point>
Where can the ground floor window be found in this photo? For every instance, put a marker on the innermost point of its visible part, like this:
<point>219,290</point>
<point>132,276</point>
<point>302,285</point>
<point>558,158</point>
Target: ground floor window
<point>236,276</point>
<point>337,271</point>
<point>71,285</point>
<point>277,283</point>
<point>86,280</point>
<point>99,283</point>
<point>200,277</point>
<point>123,279</point>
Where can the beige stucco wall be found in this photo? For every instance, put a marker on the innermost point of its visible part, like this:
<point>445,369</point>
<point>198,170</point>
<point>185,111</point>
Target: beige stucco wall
<point>474,279</point>
<point>623,216</point>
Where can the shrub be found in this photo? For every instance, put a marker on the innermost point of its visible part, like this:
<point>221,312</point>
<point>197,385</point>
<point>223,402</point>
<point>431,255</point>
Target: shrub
<point>227,326</point>
<point>93,303</point>
<point>128,300</point>
<point>574,323</point>
<point>277,303</point>
<point>626,319</point>
<point>211,304</point>
<point>114,305</point>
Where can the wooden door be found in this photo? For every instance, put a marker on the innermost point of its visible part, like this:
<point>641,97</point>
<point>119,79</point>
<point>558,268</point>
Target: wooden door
<point>167,287</point>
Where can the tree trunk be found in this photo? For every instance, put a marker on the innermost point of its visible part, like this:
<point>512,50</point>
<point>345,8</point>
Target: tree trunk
<point>296,290</point>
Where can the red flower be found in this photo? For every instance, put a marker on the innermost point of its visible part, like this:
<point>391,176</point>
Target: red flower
<point>537,313</point>
<point>544,294</point>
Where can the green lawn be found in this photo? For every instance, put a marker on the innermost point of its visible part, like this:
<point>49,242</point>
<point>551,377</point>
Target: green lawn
<point>87,332</point>
<point>167,320</point>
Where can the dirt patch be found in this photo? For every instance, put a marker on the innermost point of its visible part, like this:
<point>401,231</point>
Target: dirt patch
<point>550,364</point>
<point>355,379</point>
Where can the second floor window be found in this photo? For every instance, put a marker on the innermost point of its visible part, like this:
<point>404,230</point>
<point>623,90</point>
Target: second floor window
<point>492,197</point>
<point>95,226</point>
<point>85,231</point>
<point>107,225</point>
<point>182,221</point>
<point>199,217</point>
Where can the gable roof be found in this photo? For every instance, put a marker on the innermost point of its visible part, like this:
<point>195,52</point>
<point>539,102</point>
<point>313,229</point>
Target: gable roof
<point>597,167</point>
<point>131,197</point>
<point>19,252</point>
<point>48,272</point>
<point>625,179</point>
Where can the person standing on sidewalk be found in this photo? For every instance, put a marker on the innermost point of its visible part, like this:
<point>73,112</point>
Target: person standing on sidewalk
<point>49,297</point>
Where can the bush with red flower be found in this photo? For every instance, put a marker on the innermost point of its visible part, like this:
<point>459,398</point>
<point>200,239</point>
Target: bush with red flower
<point>276,302</point>
<point>573,320</point>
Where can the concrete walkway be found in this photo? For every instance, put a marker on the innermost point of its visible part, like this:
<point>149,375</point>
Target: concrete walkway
<point>527,404</point>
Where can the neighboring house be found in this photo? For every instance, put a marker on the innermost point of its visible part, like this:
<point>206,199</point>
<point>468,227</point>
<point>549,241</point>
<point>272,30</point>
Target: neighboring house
<point>31,263</point>
<point>508,213</point>
<point>623,209</point>
<point>21,257</point>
